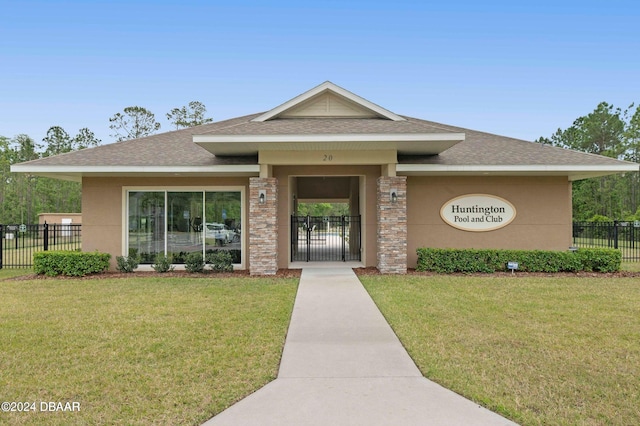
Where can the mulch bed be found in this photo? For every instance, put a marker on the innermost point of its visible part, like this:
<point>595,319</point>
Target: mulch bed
<point>621,274</point>
<point>295,273</point>
<point>282,273</point>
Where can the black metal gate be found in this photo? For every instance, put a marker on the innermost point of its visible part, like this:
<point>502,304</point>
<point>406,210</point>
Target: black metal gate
<point>325,238</point>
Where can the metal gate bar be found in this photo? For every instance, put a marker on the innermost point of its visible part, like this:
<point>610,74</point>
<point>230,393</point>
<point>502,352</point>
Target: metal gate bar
<point>624,236</point>
<point>325,238</point>
<point>18,243</point>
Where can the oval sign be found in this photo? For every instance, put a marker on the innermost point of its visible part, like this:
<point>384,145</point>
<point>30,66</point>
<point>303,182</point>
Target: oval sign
<point>478,212</point>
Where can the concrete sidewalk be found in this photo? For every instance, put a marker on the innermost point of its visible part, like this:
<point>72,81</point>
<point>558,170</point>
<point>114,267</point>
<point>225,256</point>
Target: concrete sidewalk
<point>343,365</point>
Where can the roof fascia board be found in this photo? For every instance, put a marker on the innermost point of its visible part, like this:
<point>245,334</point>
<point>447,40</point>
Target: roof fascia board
<point>574,172</point>
<point>234,168</point>
<point>328,86</point>
<point>350,137</point>
<point>516,168</point>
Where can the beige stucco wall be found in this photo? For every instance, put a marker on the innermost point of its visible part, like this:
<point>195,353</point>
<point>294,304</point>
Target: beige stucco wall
<point>368,175</point>
<point>543,207</point>
<point>102,206</point>
<point>543,219</point>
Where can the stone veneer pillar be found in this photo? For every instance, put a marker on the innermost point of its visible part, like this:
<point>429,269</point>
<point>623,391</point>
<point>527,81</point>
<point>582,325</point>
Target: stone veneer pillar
<point>263,227</point>
<point>392,225</point>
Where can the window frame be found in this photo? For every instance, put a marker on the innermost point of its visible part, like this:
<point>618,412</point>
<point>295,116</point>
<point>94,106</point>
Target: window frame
<point>166,189</point>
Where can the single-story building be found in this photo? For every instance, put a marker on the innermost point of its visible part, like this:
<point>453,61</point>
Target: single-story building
<point>60,218</point>
<point>236,185</point>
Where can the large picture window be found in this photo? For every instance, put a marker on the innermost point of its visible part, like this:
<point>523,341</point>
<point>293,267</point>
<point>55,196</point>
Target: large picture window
<point>177,223</point>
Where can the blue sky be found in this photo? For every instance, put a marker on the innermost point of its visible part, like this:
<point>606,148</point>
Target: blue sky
<point>520,69</point>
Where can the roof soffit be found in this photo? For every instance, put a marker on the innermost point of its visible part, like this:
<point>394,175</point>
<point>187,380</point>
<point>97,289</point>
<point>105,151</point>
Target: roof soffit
<point>328,109</point>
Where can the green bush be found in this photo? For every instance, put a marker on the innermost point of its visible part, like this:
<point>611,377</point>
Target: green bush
<point>600,260</point>
<point>220,261</point>
<point>194,262</point>
<point>127,264</point>
<point>70,263</point>
<point>162,264</point>
<point>470,260</point>
<point>599,218</point>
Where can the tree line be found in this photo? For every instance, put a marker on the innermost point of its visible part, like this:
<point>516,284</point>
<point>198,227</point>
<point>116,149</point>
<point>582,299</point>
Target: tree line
<point>23,196</point>
<point>615,133</point>
<point>136,122</point>
<point>607,130</point>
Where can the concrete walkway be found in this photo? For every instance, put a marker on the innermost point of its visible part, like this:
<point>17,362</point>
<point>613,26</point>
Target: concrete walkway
<point>343,365</point>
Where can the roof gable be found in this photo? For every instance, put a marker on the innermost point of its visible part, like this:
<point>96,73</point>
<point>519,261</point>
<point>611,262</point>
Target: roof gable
<point>330,105</point>
<point>328,101</point>
<point>231,147</point>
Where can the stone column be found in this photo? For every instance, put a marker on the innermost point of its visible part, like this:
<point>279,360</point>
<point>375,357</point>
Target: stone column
<point>392,225</point>
<point>263,226</point>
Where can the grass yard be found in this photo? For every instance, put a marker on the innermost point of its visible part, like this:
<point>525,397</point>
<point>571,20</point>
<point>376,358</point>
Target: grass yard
<point>138,350</point>
<point>538,350</point>
<point>11,273</point>
<point>630,266</point>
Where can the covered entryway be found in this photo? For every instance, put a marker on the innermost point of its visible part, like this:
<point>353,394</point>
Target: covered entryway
<point>325,236</point>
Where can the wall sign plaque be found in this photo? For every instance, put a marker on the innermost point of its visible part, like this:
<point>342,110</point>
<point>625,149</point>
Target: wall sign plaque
<point>478,212</point>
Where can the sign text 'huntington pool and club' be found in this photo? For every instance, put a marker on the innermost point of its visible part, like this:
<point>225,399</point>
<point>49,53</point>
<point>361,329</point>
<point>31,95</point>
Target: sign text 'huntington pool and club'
<point>478,212</point>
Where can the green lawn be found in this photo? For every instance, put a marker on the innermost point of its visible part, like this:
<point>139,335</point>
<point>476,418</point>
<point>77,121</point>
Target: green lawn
<point>630,266</point>
<point>539,350</point>
<point>139,350</point>
<point>11,273</point>
<point>547,350</point>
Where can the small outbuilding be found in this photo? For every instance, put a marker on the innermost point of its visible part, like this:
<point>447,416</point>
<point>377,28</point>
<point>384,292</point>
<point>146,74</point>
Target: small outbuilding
<point>60,218</point>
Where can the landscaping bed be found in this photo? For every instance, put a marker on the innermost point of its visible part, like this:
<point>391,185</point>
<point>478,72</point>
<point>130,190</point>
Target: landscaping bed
<point>516,274</point>
<point>282,273</point>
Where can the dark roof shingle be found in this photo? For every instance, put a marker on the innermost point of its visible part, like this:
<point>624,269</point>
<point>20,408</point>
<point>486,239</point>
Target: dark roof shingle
<point>176,148</point>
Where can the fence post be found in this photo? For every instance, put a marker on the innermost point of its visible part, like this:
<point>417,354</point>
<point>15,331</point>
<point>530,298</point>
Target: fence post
<point>344,248</point>
<point>308,220</point>
<point>45,237</point>
<point>615,234</point>
<point>1,242</point>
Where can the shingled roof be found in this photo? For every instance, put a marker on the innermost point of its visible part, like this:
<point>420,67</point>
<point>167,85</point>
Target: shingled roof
<point>466,152</point>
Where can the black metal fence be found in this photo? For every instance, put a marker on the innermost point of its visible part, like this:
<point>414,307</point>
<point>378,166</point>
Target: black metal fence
<point>18,243</point>
<point>325,238</point>
<point>624,236</point>
<point>322,238</point>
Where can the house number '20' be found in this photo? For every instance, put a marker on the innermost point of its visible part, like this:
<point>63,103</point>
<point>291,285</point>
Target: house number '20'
<point>327,157</point>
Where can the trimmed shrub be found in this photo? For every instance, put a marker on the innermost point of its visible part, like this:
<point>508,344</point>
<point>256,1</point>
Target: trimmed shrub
<point>70,263</point>
<point>162,264</point>
<point>600,260</point>
<point>220,261</point>
<point>127,264</point>
<point>194,262</point>
<point>488,261</point>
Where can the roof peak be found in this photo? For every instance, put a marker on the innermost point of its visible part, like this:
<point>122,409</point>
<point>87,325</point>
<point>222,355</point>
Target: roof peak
<point>328,100</point>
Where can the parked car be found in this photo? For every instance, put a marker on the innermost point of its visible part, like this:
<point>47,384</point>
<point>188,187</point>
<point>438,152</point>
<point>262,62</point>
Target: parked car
<point>222,233</point>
